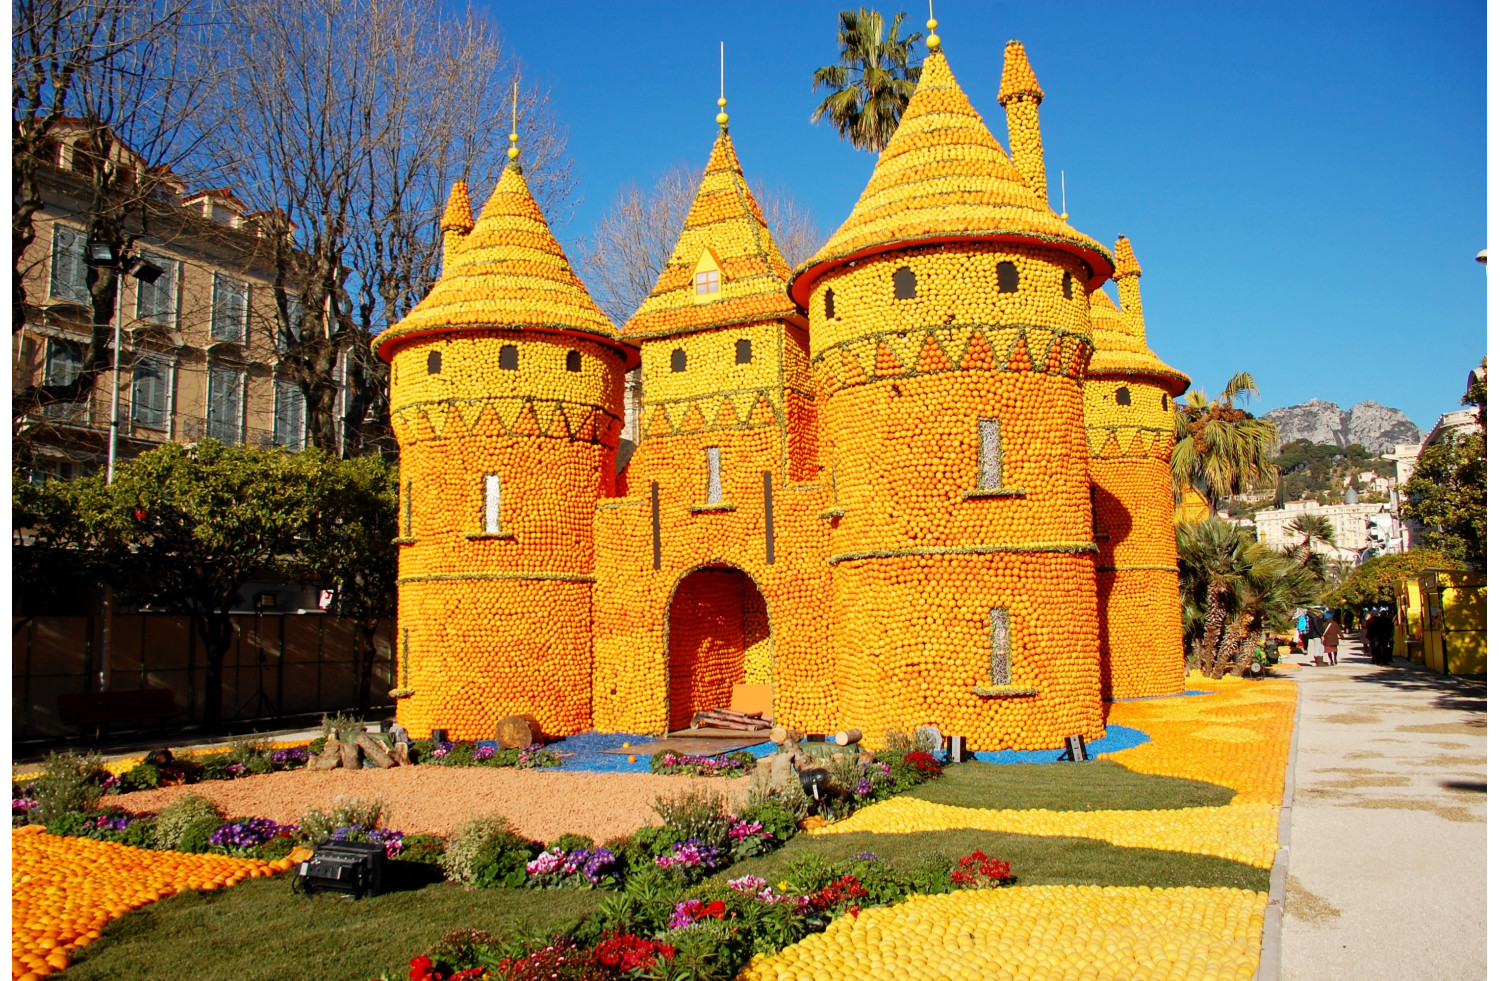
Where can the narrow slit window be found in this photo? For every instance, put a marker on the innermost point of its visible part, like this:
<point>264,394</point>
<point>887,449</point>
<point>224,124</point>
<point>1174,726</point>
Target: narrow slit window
<point>906,283</point>
<point>1094,509</point>
<point>574,361</point>
<point>492,504</point>
<point>1122,395</point>
<point>706,282</point>
<point>679,360</point>
<point>1007,277</point>
<point>715,476</point>
<point>434,362</point>
<point>828,304</point>
<point>742,352</point>
<point>1166,403</point>
<point>989,454</point>
<point>408,509</point>
<point>509,360</point>
<point>999,646</point>
<point>1067,286</point>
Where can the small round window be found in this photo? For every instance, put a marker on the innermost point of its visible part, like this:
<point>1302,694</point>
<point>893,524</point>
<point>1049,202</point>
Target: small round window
<point>679,360</point>
<point>1122,395</point>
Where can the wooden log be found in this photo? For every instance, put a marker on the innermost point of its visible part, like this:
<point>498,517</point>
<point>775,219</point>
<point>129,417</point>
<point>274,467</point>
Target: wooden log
<point>328,759</point>
<point>515,732</point>
<point>374,751</point>
<point>349,755</point>
<point>401,753</point>
<point>849,737</point>
<point>713,723</point>
<point>783,736</point>
<point>738,716</point>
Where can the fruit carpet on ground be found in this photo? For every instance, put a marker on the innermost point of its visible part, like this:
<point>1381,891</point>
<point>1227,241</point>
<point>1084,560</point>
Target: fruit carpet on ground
<point>1145,912</point>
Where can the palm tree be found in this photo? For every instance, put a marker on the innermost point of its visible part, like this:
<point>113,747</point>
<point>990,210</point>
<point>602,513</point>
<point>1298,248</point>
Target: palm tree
<point>1312,528</point>
<point>1222,449</point>
<point>872,80</point>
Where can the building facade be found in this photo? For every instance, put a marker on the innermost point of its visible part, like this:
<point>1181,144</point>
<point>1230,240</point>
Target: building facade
<point>864,488</point>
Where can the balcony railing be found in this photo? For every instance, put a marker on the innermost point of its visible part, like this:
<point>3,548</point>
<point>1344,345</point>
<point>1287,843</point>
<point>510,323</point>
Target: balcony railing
<point>92,417</point>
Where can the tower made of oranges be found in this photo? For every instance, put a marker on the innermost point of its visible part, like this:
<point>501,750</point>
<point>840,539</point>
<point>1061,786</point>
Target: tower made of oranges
<point>950,333</point>
<point>506,400</point>
<point>1131,429</point>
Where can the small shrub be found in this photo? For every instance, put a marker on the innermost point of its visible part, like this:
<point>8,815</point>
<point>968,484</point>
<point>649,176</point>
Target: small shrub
<point>69,782</point>
<point>197,837</point>
<point>718,765</point>
<point>774,818</point>
<point>979,871</point>
<point>69,823</point>
<point>174,819</point>
<point>487,853</point>
<point>700,814</point>
<point>427,849</point>
<point>346,812</point>
<point>315,748</point>
<point>795,799</point>
<point>275,849</point>
<point>261,764</point>
<point>246,748</point>
<point>569,843</point>
<point>142,776</point>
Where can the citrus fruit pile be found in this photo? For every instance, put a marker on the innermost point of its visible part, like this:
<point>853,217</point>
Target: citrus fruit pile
<point>64,890</point>
<point>1039,932</point>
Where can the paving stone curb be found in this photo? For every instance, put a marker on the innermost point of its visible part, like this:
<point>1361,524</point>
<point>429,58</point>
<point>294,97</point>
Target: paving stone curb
<point>1270,935</point>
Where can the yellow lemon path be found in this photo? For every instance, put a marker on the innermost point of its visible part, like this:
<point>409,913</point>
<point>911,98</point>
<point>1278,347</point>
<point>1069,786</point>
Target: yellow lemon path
<point>1241,832</point>
<point>1043,933</point>
<point>64,890</point>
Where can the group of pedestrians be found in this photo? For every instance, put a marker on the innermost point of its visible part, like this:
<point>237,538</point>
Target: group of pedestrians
<point>1320,633</point>
<point>1380,635</point>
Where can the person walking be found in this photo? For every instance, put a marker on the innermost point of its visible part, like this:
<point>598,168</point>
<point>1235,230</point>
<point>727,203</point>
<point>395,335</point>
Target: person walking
<point>1331,640</point>
<point>1303,628</point>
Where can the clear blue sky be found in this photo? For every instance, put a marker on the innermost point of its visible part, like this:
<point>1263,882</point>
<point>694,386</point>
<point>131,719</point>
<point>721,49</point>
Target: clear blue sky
<point>1304,183</point>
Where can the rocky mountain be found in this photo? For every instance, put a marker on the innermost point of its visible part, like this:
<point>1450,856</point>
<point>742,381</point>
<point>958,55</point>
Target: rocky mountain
<point>1374,426</point>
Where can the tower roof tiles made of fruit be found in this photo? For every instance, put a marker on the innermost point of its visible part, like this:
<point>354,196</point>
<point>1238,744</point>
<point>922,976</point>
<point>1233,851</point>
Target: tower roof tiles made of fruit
<point>944,178</point>
<point>725,222</point>
<point>1120,345</point>
<point>505,269</point>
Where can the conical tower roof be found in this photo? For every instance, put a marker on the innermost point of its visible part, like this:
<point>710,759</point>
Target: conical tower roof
<point>944,178</point>
<point>1120,346</point>
<point>508,271</point>
<point>725,221</point>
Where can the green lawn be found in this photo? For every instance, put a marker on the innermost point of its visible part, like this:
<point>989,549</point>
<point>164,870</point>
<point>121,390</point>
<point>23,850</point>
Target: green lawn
<point>1097,785</point>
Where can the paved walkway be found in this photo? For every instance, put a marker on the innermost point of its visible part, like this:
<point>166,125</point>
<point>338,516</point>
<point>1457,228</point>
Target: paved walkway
<point>1386,878</point>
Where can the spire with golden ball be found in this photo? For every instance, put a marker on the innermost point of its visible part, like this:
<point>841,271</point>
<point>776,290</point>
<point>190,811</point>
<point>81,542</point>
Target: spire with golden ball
<point>723,117</point>
<point>1021,96</point>
<point>933,41</point>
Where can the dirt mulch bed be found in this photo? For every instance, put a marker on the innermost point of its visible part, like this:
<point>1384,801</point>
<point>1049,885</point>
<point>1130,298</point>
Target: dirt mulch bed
<point>437,799</point>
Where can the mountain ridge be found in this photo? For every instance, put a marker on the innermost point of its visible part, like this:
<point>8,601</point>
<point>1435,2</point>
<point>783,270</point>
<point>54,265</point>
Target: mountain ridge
<point>1378,428</point>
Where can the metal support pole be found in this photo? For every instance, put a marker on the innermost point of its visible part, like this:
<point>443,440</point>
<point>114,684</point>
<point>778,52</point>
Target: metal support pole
<point>114,412</point>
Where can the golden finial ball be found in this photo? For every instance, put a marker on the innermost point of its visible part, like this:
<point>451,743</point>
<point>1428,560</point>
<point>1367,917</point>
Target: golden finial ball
<point>932,42</point>
<point>513,153</point>
<point>722,119</point>
<point>932,23</point>
<point>1063,216</point>
<point>723,102</point>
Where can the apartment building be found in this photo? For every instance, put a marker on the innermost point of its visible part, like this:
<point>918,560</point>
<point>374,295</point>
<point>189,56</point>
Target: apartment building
<point>199,328</point>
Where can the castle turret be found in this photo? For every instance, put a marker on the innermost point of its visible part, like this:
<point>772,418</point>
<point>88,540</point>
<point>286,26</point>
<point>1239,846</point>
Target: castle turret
<point>1021,96</point>
<point>506,400</point>
<point>950,331</point>
<point>1131,429</point>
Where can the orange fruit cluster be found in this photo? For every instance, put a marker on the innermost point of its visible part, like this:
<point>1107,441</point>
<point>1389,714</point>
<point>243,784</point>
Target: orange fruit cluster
<point>866,483</point>
<point>64,890</point>
<point>1128,413</point>
<point>1238,737</point>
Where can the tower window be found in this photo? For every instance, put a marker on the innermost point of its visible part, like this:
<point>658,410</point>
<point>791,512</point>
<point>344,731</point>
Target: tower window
<point>574,361</point>
<point>989,454</point>
<point>706,281</point>
<point>434,362</point>
<point>1094,509</point>
<point>906,283</point>
<point>1007,277</point>
<point>509,361</point>
<point>828,304</point>
<point>715,476</point>
<point>1068,285</point>
<point>1122,395</point>
<point>999,646</point>
<point>1166,403</point>
<point>408,509</point>
<point>742,352</point>
<point>679,360</point>
<point>492,504</point>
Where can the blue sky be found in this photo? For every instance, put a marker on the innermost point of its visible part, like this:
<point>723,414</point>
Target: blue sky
<point>1304,183</point>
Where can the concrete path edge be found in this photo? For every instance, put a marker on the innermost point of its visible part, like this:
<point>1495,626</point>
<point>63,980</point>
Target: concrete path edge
<point>1270,936</point>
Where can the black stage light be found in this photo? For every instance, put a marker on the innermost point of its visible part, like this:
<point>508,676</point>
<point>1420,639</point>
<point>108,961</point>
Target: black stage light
<point>356,868</point>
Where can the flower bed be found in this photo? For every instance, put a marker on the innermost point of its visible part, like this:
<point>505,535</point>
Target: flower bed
<point>735,764</point>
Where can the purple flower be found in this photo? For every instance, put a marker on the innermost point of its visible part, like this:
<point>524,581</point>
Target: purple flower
<point>863,788</point>
<point>868,857</point>
<point>441,749</point>
<point>296,754</point>
<point>22,805</point>
<point>238,769</point>
<point>682,913</point>
<point>740,830</point>
<point>691,854</point>
<point>252,833</point>
<point>110,782</point>
<point>484,753</point>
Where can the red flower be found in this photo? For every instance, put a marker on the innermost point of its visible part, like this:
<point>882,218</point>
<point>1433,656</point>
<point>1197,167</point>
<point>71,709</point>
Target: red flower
<point>714,909</point>
<point>925,764</point>
<point>421,968</point>
<point>628,952</point>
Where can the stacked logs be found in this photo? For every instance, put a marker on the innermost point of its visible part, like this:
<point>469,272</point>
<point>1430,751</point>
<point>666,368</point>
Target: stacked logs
<point>726,719</point>
<point>790,758</point>
<point>353,753</point>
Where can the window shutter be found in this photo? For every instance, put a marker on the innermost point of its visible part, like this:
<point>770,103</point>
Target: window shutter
<point>224,401</point>
<point>239,309</point>
<point>69,268</point>
<point>148,395</point>
<point>64,359</point>
<point>291,417</point>
<point>154,302</point>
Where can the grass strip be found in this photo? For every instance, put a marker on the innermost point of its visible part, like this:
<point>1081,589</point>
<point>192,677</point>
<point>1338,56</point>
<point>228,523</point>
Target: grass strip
<point>1097,785</point>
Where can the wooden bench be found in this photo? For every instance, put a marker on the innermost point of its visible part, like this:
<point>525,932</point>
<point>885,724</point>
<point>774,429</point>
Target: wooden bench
<point>102,708</point>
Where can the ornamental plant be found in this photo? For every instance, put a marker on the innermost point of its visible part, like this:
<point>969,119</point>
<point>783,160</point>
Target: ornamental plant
<point>580,868</point>
<point>244,836</point>
<point>978,871</point>
<point>734,764</point>
<point>487,853</point>
<point>626,952</point>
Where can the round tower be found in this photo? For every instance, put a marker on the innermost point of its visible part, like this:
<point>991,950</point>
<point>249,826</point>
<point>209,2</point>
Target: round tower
<point>507,386</point>
<point>949,334</point>
<point>1131,429</point>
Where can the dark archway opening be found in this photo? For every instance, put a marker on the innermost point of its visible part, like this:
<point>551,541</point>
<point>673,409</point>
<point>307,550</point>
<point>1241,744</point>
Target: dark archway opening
<point>718,637</point>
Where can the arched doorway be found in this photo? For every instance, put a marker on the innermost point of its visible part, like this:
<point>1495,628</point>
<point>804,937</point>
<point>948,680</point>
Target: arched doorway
<point>718,636</point>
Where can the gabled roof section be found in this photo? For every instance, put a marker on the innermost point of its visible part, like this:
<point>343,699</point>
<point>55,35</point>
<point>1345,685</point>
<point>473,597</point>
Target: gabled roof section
<point>1120,346</point>
<point>944,178</point>
<point>725,220</point>
<point>508,271</point>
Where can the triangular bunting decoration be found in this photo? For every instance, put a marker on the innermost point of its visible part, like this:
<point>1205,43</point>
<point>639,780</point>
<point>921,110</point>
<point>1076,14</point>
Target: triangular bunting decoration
<point>692,420</point>
<point>979,356</point>
<point>887,365</point>
<point>727,418</point>
<point>933,357</point>
<point>762,413</point>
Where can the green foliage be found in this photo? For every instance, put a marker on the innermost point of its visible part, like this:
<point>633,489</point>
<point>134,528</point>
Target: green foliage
<point>774,818</point>
<point>1321,471</point>
<point>1221,449</point>
<point>174,820</point>
<point>427,849</point>
<point>68,823</point>
<point>316,825</point>
<point>278,848</point>
<point>1378,581</point>
<point>488,853</point>
<point>195,836</point>
<point>142,776</point>
<point>1447,492</point>
<point>871,82</point>
<point>69,782</point>
<point>571,842</point>
<point>699,813</point>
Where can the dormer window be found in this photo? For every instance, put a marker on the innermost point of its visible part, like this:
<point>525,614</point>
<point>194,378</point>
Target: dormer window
<point>574,361</point>
<point>434,362</point>
<point>906,283</point>
<point>706,278</point>
<point>742,352</point>
<point>509,361</point>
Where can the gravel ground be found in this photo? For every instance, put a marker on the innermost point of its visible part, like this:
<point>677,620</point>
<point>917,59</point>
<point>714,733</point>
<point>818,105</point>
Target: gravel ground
<point>436,799</point>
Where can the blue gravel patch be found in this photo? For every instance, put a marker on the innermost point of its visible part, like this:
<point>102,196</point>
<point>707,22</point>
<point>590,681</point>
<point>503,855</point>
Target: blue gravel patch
<point>1152,698</point>
<point>1116,739</point>
<point>588,749</point>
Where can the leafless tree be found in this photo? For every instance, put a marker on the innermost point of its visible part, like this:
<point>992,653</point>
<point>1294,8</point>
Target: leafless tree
<point>349,125</point>
<point>623,256</point>
<point>115,87</point>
